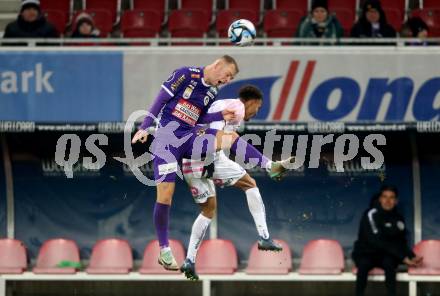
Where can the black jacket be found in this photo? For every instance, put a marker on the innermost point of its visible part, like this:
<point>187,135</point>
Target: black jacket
<point>363,29</point>
<point>40,28</point>
<point>382,232</point>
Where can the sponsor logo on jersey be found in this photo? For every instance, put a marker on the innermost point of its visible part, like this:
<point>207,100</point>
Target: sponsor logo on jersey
<point>177,83</point>
<point>194,70</point>
<point>211,94</point>
<point>188,91</point>
<point>187,112</point>
<point>195,76</point>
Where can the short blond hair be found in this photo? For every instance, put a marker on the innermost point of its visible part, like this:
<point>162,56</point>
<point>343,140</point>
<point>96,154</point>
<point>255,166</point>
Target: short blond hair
<point>230,60</point>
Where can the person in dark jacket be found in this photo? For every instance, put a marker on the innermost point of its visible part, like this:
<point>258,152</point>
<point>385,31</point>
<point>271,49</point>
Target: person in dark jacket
<point>319,24</point>
<point>415,27</point>
<point>85,27</point>
<point>382,241</point>
<point>30,23</point>
<point>373,22</point>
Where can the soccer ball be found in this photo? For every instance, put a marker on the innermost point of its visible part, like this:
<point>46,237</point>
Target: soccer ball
<point>242,32</point>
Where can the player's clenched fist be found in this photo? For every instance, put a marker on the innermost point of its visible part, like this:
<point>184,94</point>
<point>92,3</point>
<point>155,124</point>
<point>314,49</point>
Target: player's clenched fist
<point>141,135</point>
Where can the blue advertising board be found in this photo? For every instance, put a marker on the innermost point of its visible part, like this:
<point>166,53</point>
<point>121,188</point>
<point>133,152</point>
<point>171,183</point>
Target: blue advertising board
<point>61,86</point>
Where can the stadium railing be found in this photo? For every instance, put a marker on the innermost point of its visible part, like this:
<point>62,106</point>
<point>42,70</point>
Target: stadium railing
<point>400,42</point>
<point>207,280</point>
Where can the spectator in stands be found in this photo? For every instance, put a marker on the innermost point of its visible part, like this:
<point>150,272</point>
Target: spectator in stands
<point>85,27</point>
<point>373,22</point>
<point>30,23</point>
<point>319,24</point>
<point>382,241</point>
<point>415,27</point>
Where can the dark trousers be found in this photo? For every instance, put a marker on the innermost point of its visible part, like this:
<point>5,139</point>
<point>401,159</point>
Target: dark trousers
<point>365,263</point>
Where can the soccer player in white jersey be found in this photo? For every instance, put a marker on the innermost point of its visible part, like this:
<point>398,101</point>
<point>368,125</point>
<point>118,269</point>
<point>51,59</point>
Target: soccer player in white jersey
<point>225,172</point>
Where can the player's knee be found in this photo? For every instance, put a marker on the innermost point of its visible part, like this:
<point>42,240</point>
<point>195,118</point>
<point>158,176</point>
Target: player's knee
<point>208,208</point>
<point>252,183</point>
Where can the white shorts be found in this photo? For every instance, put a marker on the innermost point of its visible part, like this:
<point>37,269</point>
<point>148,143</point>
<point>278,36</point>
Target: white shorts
<point>226,173</point>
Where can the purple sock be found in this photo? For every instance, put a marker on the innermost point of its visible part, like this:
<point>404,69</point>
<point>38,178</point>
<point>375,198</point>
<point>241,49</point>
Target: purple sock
<point>251,154</point>
<point>160,216</point>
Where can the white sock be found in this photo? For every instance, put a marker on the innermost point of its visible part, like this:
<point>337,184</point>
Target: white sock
<point>256,207</point>
<point>197,233</point>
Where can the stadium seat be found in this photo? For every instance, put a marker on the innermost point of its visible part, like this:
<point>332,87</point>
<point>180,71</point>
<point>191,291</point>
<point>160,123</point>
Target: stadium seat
<point>53,252</point>
<point>112,6</point>
<point>205,5</point>
<point>13,259</point>
<point>160,6</point>
<point>347,4</point>
<point>431,17</point>
<point>261,262</point>
<point>394,17</point>
<point>149,262</point>
<point>140,23</point>
<point>430,251</point>
<point>217,256</point>
<point>322,256</point>
<point>188,24</point>
<point>346,18</point>
<point>111,256</point>
<point>281,23</point>
<point>254,5</point>
<point>102,19</point>
<point>57,18</point>
<point>300,5</point>
<point>431,4</point>
<point>226,17</point>
<point>394,4</point>
<point>63,6</point>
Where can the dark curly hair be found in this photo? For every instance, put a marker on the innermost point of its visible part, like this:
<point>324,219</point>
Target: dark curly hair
<point>250,92</point>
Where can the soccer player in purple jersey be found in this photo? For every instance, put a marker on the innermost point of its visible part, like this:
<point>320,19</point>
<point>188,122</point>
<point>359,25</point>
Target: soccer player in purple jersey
<point>183,102</point>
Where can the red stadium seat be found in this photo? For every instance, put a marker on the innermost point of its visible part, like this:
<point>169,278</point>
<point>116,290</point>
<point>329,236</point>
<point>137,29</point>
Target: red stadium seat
<point>430,251</point>
<point>149,262</point>
<point>347,4</point>
<point>140,23</point>
<point>57,18</point>
<point>270,263</point>
<point>431,4</point>
<point>55,251</point>
<point>254,5</point>
<point>102,19</point>
<point>64,6</point>
<point>13,259</point>
<point>112,6</point>
<point>322,256</point>
<point>281,23</point>
<point>394,17</point>
<point>111,256</point>
<point>160,6</point>
<point>217,256</point>
<point>205,5</point>
<point>431,17</point>
<point>188,24</point>
<point>394,4</point>
<point>300,5</point>
<point>226,17</point>
<point>346,18</point>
